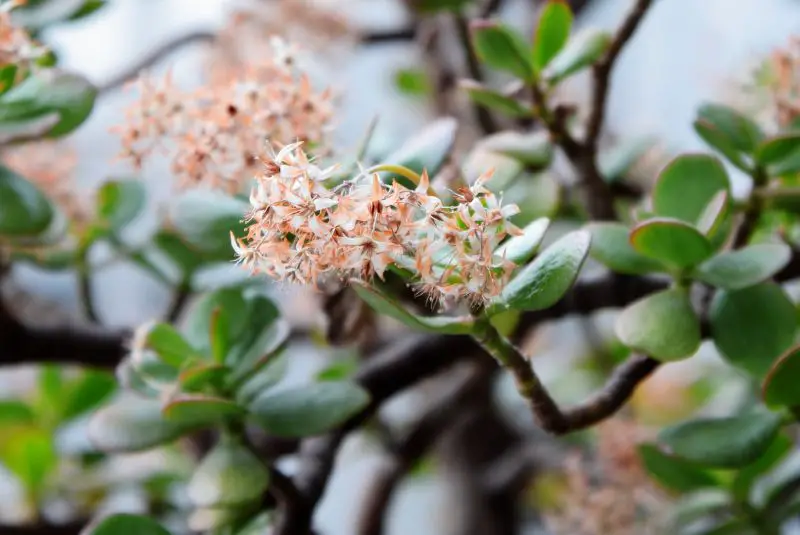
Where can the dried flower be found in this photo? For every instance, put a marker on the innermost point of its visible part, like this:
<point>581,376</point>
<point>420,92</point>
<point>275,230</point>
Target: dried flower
<point>250,27</point>
<point>302,231</point>
<point>16,45</point>
<point>214,134</point>
<point>612,492</point>
<point>784,82</point>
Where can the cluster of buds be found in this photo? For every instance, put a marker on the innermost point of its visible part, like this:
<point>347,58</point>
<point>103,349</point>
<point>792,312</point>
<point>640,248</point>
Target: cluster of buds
<point>784,83</point>
<point>214,134</point>
<point>248,30</point>
<point>302,231</point>
<point>16,46</point>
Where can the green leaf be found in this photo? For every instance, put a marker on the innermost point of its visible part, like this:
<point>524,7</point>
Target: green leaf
<point>50,103</point>
<point>753,326</point>
<point>170,345</point>
<point>24,210</point>
<point>687,184</point>
<point>583,50</point>
<point>201,376</point>
<point>745,477</point>
<point>341,369</point>
<point>671,242</point>
<point>499,47</point>
<point>385,304</point>
<point>31,456</point>
<point>264,350</point>
<point>220,334</point>
<point>263,379</point>
<point>126,524</point>
<point>153,370</point>
<point>611,247</point>
<point>674,474</point>
<point>229,475</point>
<point>119,202</point>
<point>735,270</point>
<point>427,150</point>
<point>778,149</point>
<point>187,258</point>
<point>730,442</point>
<point>199,320</point>
<point>132,379</point>
<point>702,504</point>
<point>205,219</point>
<point>715,138</point>
<point>434,6</point>
<point>742,133</point>
<point>788,166</point>
<point>494,100</point>
<point>662,325</point>
<point>412,82</point>
<point>780,384</point>
<point>37,14</point>
<point>133,425</point>
<point>535,150</point>
<point>13,412</point>
<point>543,282</point>
<point>89,8</point>
<point>196,409</point>
<point>309,410</point>
<point>552,32</point>
<point>520,249</point>
<point>88,391</point>
<point>714,214</point>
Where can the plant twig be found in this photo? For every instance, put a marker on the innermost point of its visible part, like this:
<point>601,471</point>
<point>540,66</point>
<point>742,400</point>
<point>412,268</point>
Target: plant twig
<point>545,410</point>
<point>179,301</point>
<point>398,35</point>
<point>602,72</point>
<point>154,57</point>
<point>410,449</point>
<point>72,528</point>
<point>486,120</point>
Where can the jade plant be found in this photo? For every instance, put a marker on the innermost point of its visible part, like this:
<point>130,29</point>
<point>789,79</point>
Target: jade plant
<point>432,260</point>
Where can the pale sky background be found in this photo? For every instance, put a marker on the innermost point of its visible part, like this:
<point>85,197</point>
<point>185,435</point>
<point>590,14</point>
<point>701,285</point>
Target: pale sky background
<point>686,51</point>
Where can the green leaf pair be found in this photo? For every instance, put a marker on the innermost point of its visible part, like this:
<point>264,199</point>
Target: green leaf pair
<point>734,135</point>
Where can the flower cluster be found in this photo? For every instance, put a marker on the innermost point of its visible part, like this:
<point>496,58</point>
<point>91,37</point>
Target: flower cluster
<point>612,493</point>
<point>214,134</point>
<point>784,82</point>
<point>248,30</point>
<point>16,46</point>
<point>302,231</point>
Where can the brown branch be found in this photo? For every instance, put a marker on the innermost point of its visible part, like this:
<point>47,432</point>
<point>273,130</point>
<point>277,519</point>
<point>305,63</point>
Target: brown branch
<point>486,120</point>
<point>602,73</point>
<point>154,57</point>
<point>410,449</point>
<point>72,528</point>
<point>399,35</point>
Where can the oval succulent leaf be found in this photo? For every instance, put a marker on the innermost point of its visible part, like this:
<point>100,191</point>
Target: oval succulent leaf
<point>611,247</point>
<point>494,100</point>
<point>687,184</point>
<point>520,249</point>
<point>673,473</point>
<point>583,50</point>
<point>128,524</point>
<point>169,344</point>
<point>197,409</point>
<point>535,149</point>
<point>670,241</point>
<point>715,138</point>
<point>385,304</point>
<point>780,384</point>
<point>753,326</point>
<point>133,425</point>
<point>499,47</point>
<point>741,132</point>
<point>310,409</point>
<point>119,202</point>
<point>778,149</point>
<point>229,475</point>
<point>427,150</point>
<point>662,325</point>
<point>730,442</point>
<point>544,281</point>
<point>24,210</point>
<point>735,270</point>
<point>552,32</point>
